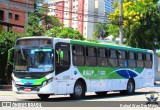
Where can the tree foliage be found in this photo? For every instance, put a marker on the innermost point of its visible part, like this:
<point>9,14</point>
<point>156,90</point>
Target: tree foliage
<point>39,21</point>
<point>141,23</point>
<point>6,42</point>
<point>65,33</point>
<point>50,21</point>
<point>101,30</point>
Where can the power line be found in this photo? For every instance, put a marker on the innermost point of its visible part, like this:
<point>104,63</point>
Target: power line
<point>80,20</point>
<point>82,10</point>
<point>79,13</point>
<point>99,14</point>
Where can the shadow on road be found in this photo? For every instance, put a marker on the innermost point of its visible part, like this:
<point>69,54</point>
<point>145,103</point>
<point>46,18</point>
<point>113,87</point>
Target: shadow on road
<point>87,98</point>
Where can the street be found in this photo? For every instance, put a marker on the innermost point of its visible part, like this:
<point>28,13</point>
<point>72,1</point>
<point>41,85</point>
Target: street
<point>111,96</point>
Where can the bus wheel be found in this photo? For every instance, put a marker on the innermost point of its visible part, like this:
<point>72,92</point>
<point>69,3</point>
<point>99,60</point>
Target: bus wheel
<point>101,93</point>
<point>130,88</point>
<point>79,91</point>
<point>43,96</point>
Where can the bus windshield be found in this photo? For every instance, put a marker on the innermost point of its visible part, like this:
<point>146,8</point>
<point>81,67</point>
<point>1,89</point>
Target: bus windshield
<point>34,60</point>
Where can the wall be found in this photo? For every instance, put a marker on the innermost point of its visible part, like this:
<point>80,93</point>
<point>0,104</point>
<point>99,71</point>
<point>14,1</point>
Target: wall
<point>16,14</point>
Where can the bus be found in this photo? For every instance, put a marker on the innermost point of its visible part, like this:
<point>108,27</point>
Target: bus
<point>50,66</point>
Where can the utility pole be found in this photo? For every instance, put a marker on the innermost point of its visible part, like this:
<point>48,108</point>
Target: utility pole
<point>120,24</point>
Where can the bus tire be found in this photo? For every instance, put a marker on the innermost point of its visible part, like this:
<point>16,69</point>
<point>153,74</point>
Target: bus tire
<point>43,96</point>
<point>130,88</point>
<point>101,93</point>
<point>79,91</point>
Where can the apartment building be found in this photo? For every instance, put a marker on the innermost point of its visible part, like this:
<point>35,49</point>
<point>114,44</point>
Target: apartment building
<point>14,14</point>
<point>81,15</point>
<point>108,6</point>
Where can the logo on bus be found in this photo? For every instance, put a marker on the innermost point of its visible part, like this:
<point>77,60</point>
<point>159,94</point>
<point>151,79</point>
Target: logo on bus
<point>101,73</point>
<point>88,72</point>
<point>75,72</point>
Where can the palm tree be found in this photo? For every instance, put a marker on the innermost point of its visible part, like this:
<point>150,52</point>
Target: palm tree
<point>101,30</point>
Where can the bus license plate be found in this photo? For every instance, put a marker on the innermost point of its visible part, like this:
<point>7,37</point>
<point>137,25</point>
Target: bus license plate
<point>27,89</point>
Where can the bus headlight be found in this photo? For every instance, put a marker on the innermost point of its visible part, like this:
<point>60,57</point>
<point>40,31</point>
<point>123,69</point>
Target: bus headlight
<point>47,82</point>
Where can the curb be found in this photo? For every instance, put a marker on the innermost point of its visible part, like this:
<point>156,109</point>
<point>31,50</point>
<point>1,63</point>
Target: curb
<point>6,87</point>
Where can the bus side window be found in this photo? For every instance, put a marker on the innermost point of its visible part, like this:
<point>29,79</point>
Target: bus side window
<point>91,54</point>
<point>148,60</point>
<point>102,57</point>
<point>122,58</point>
<point>78,55</point>
<point>132,59</point>
<point>140,63</point>
<point>112,60</point>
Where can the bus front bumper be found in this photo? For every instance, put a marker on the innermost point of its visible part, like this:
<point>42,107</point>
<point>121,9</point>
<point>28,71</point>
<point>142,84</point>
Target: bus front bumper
<point>39,89</point>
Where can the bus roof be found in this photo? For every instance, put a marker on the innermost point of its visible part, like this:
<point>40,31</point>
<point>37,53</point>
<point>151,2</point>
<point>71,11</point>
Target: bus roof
<point>110,45</point>
<point>105,45</point>
<point>34,37</point>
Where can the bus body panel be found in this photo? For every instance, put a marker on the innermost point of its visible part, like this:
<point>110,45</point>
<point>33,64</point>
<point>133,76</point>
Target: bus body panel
<point>96,78</point>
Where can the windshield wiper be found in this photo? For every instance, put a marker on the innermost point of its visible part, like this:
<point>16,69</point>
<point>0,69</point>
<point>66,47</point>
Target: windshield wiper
<point>22,53</point>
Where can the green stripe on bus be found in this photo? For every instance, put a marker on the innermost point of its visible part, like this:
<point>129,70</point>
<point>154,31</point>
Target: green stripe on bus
<point>103,72</point>
<point>34,81</point>
<point>108,45</point>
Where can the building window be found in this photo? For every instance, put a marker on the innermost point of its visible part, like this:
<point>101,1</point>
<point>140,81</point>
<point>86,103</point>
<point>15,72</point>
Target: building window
<point>16,17</point>
<point>1,15</point>
<point>10,15</point>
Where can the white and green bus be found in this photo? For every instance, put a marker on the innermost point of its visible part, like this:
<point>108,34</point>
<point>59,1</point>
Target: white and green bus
<point>50,66</point>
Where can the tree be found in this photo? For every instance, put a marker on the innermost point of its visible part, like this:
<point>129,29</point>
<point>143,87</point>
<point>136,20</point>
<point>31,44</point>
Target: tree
<point>39,21</point>
<point>65,32</point>
<point>141,23</point>
<point>7,41</point>
<point>101,30</point>
<point>50,21</point>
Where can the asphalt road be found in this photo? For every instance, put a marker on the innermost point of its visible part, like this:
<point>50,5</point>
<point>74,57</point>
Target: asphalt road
<point>111,96</point>
<point>92,98</point>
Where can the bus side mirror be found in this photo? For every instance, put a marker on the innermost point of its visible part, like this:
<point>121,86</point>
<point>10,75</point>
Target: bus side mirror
<point>11,56</point>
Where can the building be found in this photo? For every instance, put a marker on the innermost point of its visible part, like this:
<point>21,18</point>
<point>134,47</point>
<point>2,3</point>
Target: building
<point>14,14</point>
<point>108,6</point>
<point>81,15</point>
